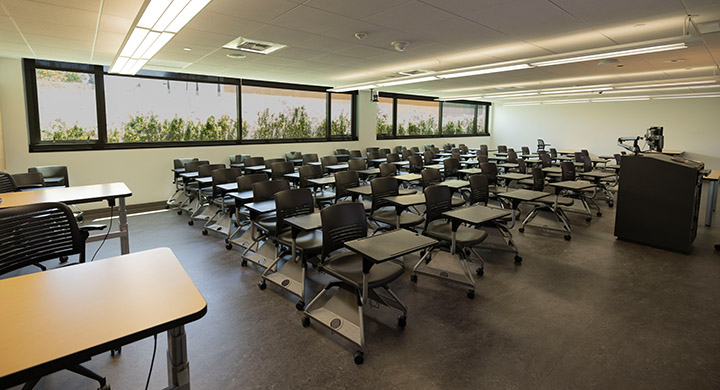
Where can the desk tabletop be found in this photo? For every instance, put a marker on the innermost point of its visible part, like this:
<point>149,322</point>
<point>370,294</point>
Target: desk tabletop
<point>189,175</point>
<point>568,151</point>
<point>573,185</point>
<point>69,195</point>
<point>713,175</point>
<point>232,186</point>
<point>305,222</point>
<point>243,196</point>
<point>407,200</point>
<point>368,172</point>
<point>597,174</point>
<point>514,176</point>
<point>476,214</point>
<point>322,181</point>
<point>552,170</point>
<point>455,183</point>
<point>565,158</point>
<point>255,168</point>
<point>337,167</point>
<point>361,190</point>
<point>237,165</point>
<point>435,166</point>
<point>204,180</point>
<point>409,177</point>
<point>378,160</point>
<point>508,165</point>
<point>523,195</point>
<point>178,170</point>
<point>55,317</point>
<point>390,245</point>
<point>470,171</point>
<point>265,206</point>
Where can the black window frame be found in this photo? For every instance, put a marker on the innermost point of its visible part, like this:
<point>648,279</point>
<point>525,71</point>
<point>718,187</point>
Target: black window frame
<point>477,104</point>
<point>36,144</point>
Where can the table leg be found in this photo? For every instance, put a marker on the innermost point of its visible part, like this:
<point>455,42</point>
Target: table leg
<point>177,360</point>
<point>125,237</point>
<point>711,202</point>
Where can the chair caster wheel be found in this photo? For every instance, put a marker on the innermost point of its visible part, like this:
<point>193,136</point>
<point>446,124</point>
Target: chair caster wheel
<point>167,206</point>
<point>413,278</point>
<point>567,237</point>
<point>80,218</point>
<point>243,263</point>
<point>518,259</point>
<point>228,246</point>
<point>588,219</point>
<point>191,222</point>
<point>262,285</point>
<point>521,230</point>
<point>179,212</point>
<point>611,205</point>
<point>479,271</point>
<point>204,232</point>
<point>300,305</point>
<point>115,351</point>
<point>227,241</point>
<point>599,214</point>
<point>471,294</point>
<point>63,259</point>
<point>358,357</point>
<point>305,321</point>
<point>402,321</point>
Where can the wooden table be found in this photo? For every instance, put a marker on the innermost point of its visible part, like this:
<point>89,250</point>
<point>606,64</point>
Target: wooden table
<point>77,195</point>
<point>62,317</point>
<point>712,195</point>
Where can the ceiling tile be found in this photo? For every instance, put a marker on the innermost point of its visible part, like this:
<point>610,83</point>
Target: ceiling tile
<point>124,8</point>
<point>310,20</point>
<point>40,13</point>
<point>611,11</point>
<point>87,5</point>
<point>108,42</point>
<point>115,24</point>
<point>326,44</point>
<point>222,24</point>
<point>462,32</point>
<point>259,11</point>
<point>409,17</point>
<point>354,9</point>
<point>190,37</point>
<point>280,35</point>
<point>462,7</point>
<point>297,53</point>
<point>573,41</point>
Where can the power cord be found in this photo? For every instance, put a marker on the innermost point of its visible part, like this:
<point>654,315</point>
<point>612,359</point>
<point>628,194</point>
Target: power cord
<point>147,384</point>
<point>106,234</point>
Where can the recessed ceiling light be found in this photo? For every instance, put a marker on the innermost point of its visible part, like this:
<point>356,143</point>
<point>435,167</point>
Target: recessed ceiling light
<point>675,60</point>
<point>235,55</point>
<point>187,48</point>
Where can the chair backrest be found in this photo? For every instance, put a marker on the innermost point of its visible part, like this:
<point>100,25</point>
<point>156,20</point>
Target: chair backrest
<point>512,156</point>
<point>340,223</point>
<point>587,164</point>
<point>397,149</point>
<point>54,171</point>
<point>430,176</point>
<point>223,176</point>
<point>617,157</point>
<point>180,162</point>
<point>34,233</point>
<point>538,179</point>
<point>428,147</point>
<point>545,160</point>
<point>436,150</point>
<point>237,158</point>
<point>293,156</point>
<point>388,170</point>
<point>246,182</point>
<point>464,149</point>
<point>578,157</point>
<point>484,148</point>
<point>192,166</point>
<point>357,164</point>
<point>266,190</point>
<point>447,147</point>
<point>309,172</point>
<point>308,158</point>
<point>279,169</point>
<point>254,161</point>
<point>522,166</point>
<point>7,183</point>
<point>490,169</point>
<point>372,149</point>
<point>428,156</point>
<point>455,153</point>
<point>384,152</point>
<point>270,161</point>
<point>451,166</point>
<point>291,203</point>
<point>525,150</point>
<point>438,199</point>
<point>343,181</point>
<point>355,153</point>
<point>373,154</point>
<point>568,170</point>
<point>414,149</point>
<point>329,160</point>
<point>482,158</point>
<point>26,180</point>
<point>341,151</point>
<point>479,189</point>
<point>392,157</point>
<point>206,169</point>
<point>585,152</point>
<point>502,149</point>
<point>382,187</point>
<point>541,145</point>
<point>553,153</point>
<point>416,164</point>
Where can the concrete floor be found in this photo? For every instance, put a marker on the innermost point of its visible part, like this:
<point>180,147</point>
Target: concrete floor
<point>594,312</point>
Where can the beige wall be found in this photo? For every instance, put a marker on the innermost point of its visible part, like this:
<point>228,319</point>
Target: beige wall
<point>692,125</point>
<point>147,171</point>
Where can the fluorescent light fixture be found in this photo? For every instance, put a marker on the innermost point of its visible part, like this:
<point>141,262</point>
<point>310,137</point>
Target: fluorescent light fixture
<point>668,84</point>
<point>522,104</point>
<point>510,95</point>
<point>357,88</point>
<point>576,90</point>
<point>613,54</point>
<point>408,81</point>
<point>685,97</point>
<point>483,71</point>
<point>159,23</point>
<point>568,101</point>
<point>627,99</point>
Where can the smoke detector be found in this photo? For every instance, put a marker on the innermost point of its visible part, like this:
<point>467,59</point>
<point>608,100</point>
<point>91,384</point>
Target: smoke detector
<point>399,45</point>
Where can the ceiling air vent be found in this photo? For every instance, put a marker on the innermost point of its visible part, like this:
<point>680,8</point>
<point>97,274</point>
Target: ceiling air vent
<point>253,46</point>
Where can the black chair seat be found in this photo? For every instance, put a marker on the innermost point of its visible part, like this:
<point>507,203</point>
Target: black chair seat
<point>269,224</point>
<point>367,204</point>
<point>457,201</point>
<point>509,217</point>
<point>465,236</point>
<point>305,241</point>
<point>526,182</point>
<point>348,268</point>
<point>390,217</point>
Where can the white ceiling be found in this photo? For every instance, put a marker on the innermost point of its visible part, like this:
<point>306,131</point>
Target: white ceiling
<point>322,49</point>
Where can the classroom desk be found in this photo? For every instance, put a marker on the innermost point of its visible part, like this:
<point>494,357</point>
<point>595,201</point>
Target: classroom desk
<point>516,197</point>
<point>455,184</point>
<point>408,177</point>
<point>712,195</point>
<point>240,165</point>
<point>255,168</point>
<point>365,173</point>
<point>337,167</point>
<point>403,202</point>
<point>260,255</point>
<point>553,170</point>
<point>597,177</point>
<point>509,177</point>
<point>77,195</point>
<point>192,175</point>
<point>435,166</point>
<point>470,171</point>
<point>567,152</point>
<point>575,186</point>
<point>62,317</point>
<point>322,181</point>
<point>367,191</point>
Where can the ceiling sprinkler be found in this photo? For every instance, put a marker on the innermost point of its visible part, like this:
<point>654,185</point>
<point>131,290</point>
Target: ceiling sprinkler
<point>400,45</point>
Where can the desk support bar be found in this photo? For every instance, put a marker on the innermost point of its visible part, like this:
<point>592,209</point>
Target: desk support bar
<point>124,238</point>
<point>177,360</point>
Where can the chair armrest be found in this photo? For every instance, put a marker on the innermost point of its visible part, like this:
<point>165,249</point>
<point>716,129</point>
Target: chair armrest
<point>92,227</point>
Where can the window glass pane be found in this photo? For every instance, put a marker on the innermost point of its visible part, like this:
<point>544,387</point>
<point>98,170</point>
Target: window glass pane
<point>273,113</point>
<point>66,105</point>
<point>154,110</point>
<point>384,116</point>
<point>458,118</point>
<point>417,117</point>
<point>340,112</point>
<point>482,125</point>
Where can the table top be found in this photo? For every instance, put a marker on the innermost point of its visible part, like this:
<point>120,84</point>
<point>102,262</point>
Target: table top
<point>318,163</point>
<point>612,166</point>
<point>368,172</point>
<point>407,200</point>
<point>507,165</point>
<point>523,195</point>
<point>293,175</point>
<point>435,166</point>
<point>55,317</point>
<point>68,195</point>
<point>322,181</point>
<point>190,175</point>
<point>361,190</point>
<point>573,185</point>
<point>204,180</point>
<point>390,245</point>
<point>514,176</point>
<point>244,196</point>
<point>305,222</point>
<point>552,170</point>
<point>713,175</point>
<point>470,171</point>
<point>476,214</point>
<point>455,183</point>
<point>228,186</point>
<point>265,206</point>
<point>255,168</point>
<point>378,160</point>
<point>565,158</point>
<point>568,151</point>
<point>237,165</point>
<point>409,177</point>
<point>597,174</point>
<point>337,167</point>
<point>178,170</point>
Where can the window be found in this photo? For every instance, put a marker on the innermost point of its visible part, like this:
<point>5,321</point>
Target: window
<point>274,113</point>
<point>384,116</point>
<point>407,116</point>
<point>66,105</point>
<point>156,110</point>
<point>81,107</point>
<point>417,117</point>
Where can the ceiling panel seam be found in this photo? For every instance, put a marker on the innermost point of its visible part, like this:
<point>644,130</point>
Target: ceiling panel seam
<point>7,12</point>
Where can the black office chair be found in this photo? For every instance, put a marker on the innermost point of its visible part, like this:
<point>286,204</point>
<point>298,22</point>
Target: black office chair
<point>328,160</point>
<point>464,149</point>
<point>383,212</point>
<point>481,156</point>
<point>415,164</point>
<point>384,152</point>
<point>502,149</point>
<point>221,221</point>
<point>512,156</point>
<point>372,149</point>
<point>254,161</point>
<point>308,158</point>
<point>525,150</point>
<point>293,156</point>
<point>392,157</point>
<point>388,170</point>
<point>322,196</point>
<point>242,216</point>
<point>437,201</point>
<point>373,155</point>
<point>28,181</point>
<point>7,183</point>
<point>451,167</point>
<point>432,176</point>
<point>203,192</point>
<point>546,203</point>
<point>279,169</point>
<point>344,180</point>
<point>55,175</point>
<point>414,149</point>
<point>541,144</point>
<point>340,223</point>
<point>35,233</point>
<point>266,223</point>
<point>586,197</point>
<point>343,154</point>
<point>356,154</point>
<point>428,157</point>
<point>484,148</point>
<point>238,158</point>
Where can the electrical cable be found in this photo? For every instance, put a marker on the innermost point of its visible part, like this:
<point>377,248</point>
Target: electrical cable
<point>151,362</point>
<point>106,234</point>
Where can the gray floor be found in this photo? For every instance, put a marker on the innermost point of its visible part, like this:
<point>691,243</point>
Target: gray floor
<point>593,312</point>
